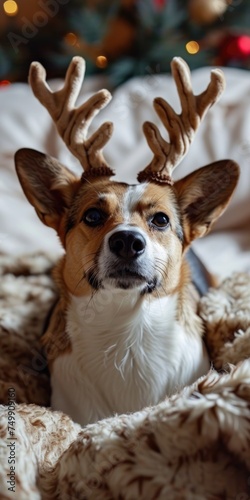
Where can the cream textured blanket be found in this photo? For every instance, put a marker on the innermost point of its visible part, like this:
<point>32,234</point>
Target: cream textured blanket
<point>195,445</point>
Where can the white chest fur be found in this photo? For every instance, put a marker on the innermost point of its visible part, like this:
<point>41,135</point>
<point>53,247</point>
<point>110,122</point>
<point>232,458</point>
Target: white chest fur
<point>128,352</point>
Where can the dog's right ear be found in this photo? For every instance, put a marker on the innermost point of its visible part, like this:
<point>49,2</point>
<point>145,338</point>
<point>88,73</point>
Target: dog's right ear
<point>48,185</point>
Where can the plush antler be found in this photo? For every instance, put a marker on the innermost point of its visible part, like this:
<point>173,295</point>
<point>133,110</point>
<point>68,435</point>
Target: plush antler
<point>73,123</point>
<point>182,127</point>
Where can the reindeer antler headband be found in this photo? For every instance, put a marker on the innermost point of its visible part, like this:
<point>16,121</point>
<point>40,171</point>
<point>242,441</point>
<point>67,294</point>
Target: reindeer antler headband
<point>73,123</point>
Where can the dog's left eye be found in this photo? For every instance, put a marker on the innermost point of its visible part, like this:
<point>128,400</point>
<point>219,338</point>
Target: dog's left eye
<point>160,220</point>
<point>93,217</point>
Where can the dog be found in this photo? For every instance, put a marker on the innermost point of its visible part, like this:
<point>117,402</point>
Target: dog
<point>125,332</point>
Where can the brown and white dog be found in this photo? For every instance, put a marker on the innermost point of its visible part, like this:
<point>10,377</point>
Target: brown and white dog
<point>124,333</point>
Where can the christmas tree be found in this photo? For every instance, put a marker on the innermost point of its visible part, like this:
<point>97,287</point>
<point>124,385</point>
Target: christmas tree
<point>124,38</point>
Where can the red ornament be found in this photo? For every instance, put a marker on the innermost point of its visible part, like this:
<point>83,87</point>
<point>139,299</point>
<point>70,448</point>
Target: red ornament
<point>4,83</point>
<point>244,45</point>
<point>160,4</point>
<point>235,48</point>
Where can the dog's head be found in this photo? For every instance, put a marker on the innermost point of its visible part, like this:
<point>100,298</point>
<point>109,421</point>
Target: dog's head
<point>116,235</point>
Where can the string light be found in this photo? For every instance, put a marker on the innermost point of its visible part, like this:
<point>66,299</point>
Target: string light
<point>101,62</point>
<point>10,8</point>
<point>192,47</point>
<point>71,39</point>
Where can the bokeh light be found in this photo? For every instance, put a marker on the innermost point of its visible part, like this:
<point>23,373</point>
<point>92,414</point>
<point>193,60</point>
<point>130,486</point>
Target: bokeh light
<point>10,7</point>
<point>71,39</point>
<point>101,62</point>
<point>192,47</point>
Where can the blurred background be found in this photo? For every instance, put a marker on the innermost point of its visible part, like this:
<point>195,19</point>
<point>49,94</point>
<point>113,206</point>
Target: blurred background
<point>122,38</point>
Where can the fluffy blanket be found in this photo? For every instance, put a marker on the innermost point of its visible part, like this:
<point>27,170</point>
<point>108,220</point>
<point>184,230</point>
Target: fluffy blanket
<point>195,445</point>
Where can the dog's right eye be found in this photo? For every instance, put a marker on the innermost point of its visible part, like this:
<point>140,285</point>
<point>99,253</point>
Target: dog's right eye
<point>93,217</point>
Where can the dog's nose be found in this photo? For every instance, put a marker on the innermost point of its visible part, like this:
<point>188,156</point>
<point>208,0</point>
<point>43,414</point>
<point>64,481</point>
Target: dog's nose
<point>127,244</point>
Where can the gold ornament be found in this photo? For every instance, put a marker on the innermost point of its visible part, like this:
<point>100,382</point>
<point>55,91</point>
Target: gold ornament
<point>206,11</point>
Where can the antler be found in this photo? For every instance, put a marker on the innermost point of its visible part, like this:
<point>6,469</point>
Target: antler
<point>182,127</point>
<point>73,123</point>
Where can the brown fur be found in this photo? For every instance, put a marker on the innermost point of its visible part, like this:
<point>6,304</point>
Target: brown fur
<point>55,340</point>
<point>84,242</point>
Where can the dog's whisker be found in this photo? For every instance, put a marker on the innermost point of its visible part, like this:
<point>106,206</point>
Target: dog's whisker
<point>160,261</point>
<point>78,283</point>
<point>91,299</point>
<point>161,271</point>
<point>163,288</point>
<point>84,263</point>
<point>89,269</point>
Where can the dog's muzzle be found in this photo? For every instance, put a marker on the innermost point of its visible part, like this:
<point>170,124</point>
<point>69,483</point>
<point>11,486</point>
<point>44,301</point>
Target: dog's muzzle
<point>128,258</point>
<point>124,262</point>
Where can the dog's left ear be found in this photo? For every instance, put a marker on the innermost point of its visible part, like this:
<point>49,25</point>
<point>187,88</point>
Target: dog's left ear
<point>203,196</point>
